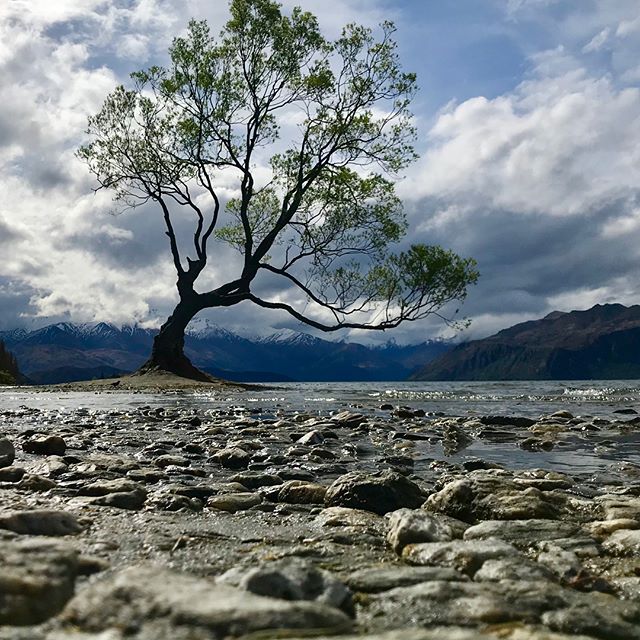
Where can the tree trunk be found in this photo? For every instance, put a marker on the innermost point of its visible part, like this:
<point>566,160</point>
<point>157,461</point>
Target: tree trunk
<point>167,354</point>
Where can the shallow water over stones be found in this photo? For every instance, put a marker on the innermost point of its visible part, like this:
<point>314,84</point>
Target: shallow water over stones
<point>341,514</point>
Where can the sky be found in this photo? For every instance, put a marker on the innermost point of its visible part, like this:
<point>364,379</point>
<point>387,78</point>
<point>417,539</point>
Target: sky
<point>528,121</point>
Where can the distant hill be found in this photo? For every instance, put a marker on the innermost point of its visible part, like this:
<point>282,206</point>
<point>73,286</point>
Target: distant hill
<point>9,372</point>
<point>66,352</point>
<point>600,343</point>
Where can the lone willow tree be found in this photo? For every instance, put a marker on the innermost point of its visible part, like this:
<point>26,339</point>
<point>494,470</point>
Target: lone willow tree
<point>307,134</point>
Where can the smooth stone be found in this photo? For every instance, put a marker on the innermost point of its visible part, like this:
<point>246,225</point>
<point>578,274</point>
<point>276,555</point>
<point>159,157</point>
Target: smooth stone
<point>36,483</point>
<point>11,474</point>
<point>375,580</point>
<point>407,526</point>
<point>7,452</point>
<point>105,487</point>
<point>149,602</point>
<point>168,460</point>
<point>130,500</point>
<point>466,556</point>
<point>41,523</point>
<point>380,493</point>
<point>232,458</point>
<point>292,579</point>
<point>48,446</point>
<point>233,502</point>
<point>37,578</point>
<point>301,492</point>
<point>521,533</point>
<point>254,479</point>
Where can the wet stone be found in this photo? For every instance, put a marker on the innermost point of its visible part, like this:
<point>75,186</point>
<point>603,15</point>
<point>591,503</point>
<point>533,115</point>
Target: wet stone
<point>379,493</point>
<point>41,523</point>
<point>48,446</point>
<point>7,452</point>
<point>521,533</point>
<point>233,502</point>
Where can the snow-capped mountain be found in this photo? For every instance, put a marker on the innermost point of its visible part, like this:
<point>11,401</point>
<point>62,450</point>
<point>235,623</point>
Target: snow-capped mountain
<point>67,351</point>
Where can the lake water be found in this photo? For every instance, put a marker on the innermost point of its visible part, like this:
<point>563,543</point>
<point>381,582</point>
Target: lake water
<point>610,451</point>
<point>528,398</point>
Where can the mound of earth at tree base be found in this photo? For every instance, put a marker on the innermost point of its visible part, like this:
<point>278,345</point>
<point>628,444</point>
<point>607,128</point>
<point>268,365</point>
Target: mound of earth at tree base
<point>152,381</point>
<point>142,530</point>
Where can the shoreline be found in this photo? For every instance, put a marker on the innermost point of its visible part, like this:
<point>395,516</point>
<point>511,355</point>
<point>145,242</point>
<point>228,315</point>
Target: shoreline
<point>231,509</point>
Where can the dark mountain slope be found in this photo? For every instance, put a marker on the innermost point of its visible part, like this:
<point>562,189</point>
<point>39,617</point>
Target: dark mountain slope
<point>602,342</point>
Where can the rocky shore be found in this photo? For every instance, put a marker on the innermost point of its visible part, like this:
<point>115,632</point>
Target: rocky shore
<point>155,523</point>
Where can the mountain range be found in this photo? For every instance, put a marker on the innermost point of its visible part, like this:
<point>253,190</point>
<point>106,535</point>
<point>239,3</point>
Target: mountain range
<point>600,343</point>
<point>67,351</point>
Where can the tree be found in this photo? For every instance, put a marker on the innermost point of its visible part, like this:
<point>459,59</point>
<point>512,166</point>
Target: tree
<point>324,219</point>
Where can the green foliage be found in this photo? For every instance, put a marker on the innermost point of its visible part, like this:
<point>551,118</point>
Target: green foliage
<point>330,206</point>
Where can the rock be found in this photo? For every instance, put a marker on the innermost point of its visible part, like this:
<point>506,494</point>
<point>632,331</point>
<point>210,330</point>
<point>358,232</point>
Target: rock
<point>347,419</point>
<point>598,615</point>
<point>301,492</point>
<point>168,460</point>
<point>37,579</point>
<point>11,474</point>
<point>105,487</point>
<point>408,526</point>
<point>510,421</point>
<point>48,446</point>
<point>623,542</point>
<point>41,523</point>
<point>492,495</point>
<point>255,479</point>
<point>36,483</point>
<point>148,603</point>
<point>131,500</point>
<point>379,493</point>
<point>521,533</point>
<point>467,604</point>
<point>604,528</point>
<point>375,580</point>
<point>311,437</point>
<point>353,519</point>
<point>233,502</point>
<point>232,458</point>
<point>7,453</point>
<point>620,507</point>
<point>292,579</point>
<point>466,556</point>
<point>519,569</point>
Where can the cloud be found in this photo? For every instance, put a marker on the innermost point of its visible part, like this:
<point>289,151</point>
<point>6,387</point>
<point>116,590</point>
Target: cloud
<point>538,181</point>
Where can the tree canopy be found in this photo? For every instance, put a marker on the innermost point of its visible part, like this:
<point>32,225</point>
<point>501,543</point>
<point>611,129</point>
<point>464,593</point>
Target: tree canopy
<point>312,133</point>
